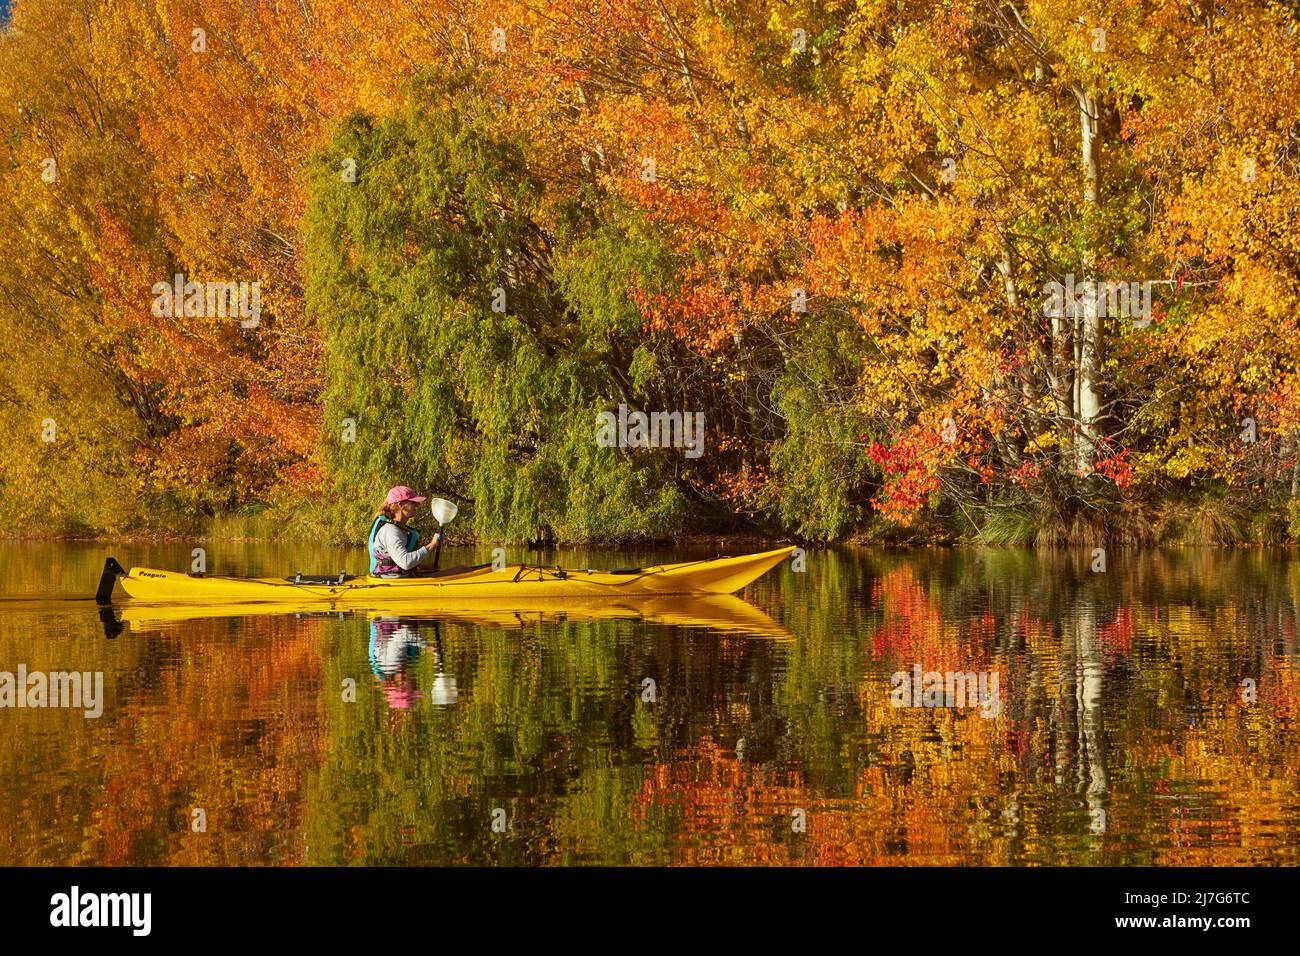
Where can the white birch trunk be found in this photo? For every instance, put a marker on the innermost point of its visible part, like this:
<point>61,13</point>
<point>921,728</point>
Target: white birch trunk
<point>1090,321</point>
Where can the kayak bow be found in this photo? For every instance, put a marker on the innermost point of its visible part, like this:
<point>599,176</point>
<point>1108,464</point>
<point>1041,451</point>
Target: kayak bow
<point>528,582</point>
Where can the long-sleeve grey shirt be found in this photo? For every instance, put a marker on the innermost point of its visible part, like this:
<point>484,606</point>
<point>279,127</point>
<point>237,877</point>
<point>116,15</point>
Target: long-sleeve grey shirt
<point>392,541</point>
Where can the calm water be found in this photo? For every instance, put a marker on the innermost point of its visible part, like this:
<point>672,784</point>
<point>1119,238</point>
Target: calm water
<point>1119,733</point>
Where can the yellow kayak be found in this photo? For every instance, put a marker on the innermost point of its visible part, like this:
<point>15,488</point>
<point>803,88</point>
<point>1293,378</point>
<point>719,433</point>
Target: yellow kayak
<point>514,584</point>
<point>720,612</point>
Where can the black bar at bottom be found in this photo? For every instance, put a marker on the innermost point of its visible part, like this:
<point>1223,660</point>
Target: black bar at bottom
<point>616,907</point>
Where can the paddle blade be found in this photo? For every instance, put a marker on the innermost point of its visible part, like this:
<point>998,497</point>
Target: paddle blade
<point>443,510</point>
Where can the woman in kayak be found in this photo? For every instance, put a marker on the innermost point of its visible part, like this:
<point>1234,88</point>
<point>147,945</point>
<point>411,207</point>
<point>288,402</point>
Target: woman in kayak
<point>394,548</point>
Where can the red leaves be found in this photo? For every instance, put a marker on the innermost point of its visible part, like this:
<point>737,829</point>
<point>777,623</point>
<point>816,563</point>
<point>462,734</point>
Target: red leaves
<point>1116,468</point>
<point>1025,473</point>
<point>910,466</point>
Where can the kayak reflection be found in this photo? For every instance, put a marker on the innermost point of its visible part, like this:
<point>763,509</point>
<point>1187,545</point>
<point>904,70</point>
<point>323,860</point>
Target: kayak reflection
<point>723,612</point>
<point>395,645</point>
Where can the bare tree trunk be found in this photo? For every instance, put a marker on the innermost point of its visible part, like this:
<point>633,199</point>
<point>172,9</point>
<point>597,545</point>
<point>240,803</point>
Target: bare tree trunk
<point>1060,380</point>
<point>1295,469</point>
<point>1090,326</point>
<point>1028,387</point>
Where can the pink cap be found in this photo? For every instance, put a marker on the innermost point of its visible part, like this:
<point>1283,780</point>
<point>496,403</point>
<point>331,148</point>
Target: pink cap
<point>401,493</point>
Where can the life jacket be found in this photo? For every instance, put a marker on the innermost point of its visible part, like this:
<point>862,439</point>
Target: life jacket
<point>381,563</point>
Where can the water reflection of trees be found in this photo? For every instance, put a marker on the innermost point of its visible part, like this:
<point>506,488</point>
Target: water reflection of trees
<point>1122,738</point>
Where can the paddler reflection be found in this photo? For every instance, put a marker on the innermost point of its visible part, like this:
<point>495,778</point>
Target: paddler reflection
<point>395,645</point>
